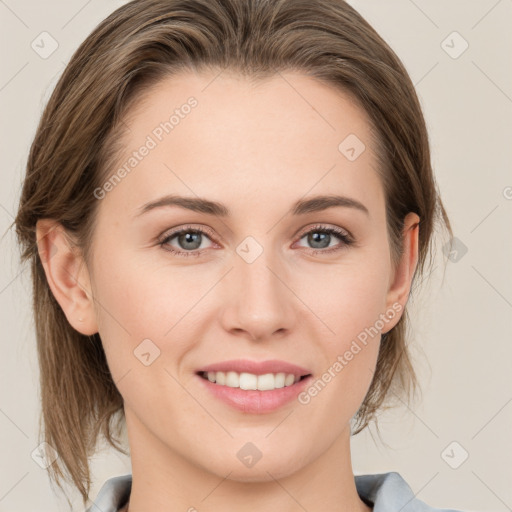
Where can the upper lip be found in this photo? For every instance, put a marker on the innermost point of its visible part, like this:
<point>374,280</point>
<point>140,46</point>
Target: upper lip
<point>256,367</point>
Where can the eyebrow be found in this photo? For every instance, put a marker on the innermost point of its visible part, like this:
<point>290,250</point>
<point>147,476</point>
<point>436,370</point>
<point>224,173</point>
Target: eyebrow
<point>301,207</point>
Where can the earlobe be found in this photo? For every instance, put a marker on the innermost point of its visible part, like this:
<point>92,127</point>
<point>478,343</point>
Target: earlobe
<point>401,280</point>
<point>67,275</point>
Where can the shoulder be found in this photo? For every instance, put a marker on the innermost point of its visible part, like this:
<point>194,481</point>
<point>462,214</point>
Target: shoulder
<point>390,492</point>
<point>113,495</point>
<point>387,492</point>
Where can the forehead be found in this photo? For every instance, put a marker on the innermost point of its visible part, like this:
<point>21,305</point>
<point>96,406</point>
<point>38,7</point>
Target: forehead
<point>291,104</point>
<point>221,134</point>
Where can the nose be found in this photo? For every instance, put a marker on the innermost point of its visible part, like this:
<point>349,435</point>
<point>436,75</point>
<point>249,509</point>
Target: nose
<point>258,301</point>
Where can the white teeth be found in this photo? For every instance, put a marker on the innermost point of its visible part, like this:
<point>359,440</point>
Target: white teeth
<point>219,378</point>
<point>290,379</point>
<point>246,380</point>
<point>232,380</point>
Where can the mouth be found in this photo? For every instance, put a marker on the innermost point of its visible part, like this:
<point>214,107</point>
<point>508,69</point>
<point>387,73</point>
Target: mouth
<point>251,381</point>
<point>251,393</point>
<point>254,387</point>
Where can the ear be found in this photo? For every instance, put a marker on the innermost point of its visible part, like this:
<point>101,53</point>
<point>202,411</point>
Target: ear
<point>67,275</point>
<point>401,278</point>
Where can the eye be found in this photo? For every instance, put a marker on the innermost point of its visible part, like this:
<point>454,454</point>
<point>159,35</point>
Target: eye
<point>320,238</point>
<point>189,240</point>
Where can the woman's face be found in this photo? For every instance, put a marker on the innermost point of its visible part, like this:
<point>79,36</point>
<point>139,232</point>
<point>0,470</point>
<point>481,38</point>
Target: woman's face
<point>253,285</point>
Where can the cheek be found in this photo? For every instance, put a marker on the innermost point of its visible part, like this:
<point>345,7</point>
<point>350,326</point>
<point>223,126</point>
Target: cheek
<point>348,297</point>
<point>138,300</point>
<point>350,305</point>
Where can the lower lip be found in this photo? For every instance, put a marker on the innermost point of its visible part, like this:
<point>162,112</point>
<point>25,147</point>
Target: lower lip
<point>253,401</point>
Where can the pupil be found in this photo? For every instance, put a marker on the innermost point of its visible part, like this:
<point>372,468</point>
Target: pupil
<point>323,237</point>
<point>190,238</point>
<point>317,239</point>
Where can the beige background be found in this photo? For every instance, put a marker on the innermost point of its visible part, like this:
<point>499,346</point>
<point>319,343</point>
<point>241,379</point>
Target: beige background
<point>462,336</point>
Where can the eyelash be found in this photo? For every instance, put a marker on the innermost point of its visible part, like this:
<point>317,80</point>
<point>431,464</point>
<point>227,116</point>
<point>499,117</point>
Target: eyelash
<point>339,233</point>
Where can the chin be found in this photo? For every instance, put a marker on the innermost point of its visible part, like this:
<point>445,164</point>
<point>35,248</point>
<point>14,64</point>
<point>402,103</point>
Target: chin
<point>258,474</point>
<point>265,469</point>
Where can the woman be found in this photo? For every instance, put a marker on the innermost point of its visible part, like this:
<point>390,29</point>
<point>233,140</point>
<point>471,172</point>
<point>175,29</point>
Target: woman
<point>225,207</point>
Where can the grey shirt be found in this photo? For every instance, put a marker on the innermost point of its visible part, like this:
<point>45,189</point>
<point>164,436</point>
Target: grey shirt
<point>385,492</point>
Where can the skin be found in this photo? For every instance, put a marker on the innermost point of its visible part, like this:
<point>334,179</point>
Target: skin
<point>256,148</point>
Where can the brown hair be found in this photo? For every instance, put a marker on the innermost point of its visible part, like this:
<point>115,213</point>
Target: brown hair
<point>74,150</point>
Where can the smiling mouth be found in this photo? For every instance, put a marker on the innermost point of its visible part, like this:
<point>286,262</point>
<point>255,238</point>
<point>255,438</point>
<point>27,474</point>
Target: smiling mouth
<point>250,381</point>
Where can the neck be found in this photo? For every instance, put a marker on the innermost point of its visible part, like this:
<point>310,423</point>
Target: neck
<point>163,480</point>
